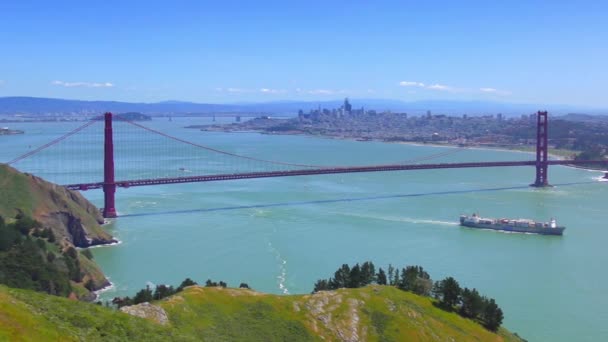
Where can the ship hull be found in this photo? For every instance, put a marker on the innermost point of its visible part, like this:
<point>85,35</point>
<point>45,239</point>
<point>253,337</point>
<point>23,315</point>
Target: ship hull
<point>513,229</point>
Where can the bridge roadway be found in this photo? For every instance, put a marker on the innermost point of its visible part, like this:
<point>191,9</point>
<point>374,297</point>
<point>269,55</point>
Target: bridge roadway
<point>322,171</point>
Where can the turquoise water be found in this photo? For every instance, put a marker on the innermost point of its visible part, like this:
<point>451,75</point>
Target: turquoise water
<point>279,235</point>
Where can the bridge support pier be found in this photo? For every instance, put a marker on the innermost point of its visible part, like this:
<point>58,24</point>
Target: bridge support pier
<point>542,178</point>
<point>109,185</point>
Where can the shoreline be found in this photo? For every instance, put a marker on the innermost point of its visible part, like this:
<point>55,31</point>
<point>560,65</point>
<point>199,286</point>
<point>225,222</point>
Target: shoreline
<point>106,288</point>
<point>504,148</point>
<point>114,242</point>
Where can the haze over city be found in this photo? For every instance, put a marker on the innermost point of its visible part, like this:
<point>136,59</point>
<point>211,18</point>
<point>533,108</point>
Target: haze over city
<point>550,52</point>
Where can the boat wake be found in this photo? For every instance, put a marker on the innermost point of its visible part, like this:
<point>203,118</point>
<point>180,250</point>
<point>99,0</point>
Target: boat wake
<point>282,277</point>
<point>402,219</point>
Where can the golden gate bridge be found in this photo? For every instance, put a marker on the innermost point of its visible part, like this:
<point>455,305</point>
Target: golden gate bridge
<point>259,167</point>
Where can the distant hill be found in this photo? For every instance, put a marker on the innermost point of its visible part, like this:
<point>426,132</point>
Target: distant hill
<point>131,116</point>
<point>373,313</point>
<point>584,118</point>
<point>48,106</point>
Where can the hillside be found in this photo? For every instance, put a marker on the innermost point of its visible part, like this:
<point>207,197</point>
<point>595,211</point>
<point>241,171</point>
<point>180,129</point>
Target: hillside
<point>66,212</point>
<point>374,313</point>
<point>40,224</point>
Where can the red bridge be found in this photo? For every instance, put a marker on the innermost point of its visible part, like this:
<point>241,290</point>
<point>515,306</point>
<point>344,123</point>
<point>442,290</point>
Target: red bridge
<point>109,184</point>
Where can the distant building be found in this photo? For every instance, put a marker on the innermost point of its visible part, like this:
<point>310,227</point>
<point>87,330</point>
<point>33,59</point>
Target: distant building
<point>347,107</point>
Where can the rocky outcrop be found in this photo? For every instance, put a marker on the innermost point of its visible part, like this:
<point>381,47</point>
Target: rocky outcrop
<point>148,311</point>
<point>73,230</point>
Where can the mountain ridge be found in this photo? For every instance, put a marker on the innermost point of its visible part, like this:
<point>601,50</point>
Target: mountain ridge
<point>25,105</point>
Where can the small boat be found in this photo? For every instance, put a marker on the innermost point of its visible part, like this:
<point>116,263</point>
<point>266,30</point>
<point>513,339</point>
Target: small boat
<point>512,225</point>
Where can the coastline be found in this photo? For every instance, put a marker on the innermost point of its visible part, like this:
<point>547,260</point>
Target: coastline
<point>106,288</point>
<point>114,242</point>
<point>498,147</point>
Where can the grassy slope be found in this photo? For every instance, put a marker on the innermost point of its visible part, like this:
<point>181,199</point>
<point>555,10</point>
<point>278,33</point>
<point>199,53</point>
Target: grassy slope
<point>13,196</point>
<point>31,316</point>
<point>375,313</point>
<point>36,197</point>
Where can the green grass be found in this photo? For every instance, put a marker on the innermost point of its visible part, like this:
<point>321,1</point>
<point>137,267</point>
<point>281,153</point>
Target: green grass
<point>14,193</point>
<point>31,316</point>
<point>373,313</point>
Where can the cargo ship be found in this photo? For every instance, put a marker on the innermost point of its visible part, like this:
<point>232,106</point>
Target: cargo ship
<point>512,225</point>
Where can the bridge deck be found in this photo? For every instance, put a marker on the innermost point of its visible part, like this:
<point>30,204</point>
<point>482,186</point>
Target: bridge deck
<point>321,171</point>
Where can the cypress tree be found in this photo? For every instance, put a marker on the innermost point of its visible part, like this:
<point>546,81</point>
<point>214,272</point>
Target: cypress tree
<point>381,277</point>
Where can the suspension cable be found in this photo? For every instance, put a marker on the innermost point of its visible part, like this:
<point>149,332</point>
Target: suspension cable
<point>219,151</point>
<point>53,142</point>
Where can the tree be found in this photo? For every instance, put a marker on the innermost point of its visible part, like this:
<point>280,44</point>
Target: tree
<point>395,281</point>
<point>24,223</point>
<point>422,286</point>
<point>244,286</point>
<point>492,315</point>
<point>391,274</point>
<point>381,277</point>
<point>472,304</point>
<point>449,293</point>
<point>51,235</point>
<point>368,273</point>
<point>415,279</point>
<point>41,244</point>
<point>144,295</point>
<point>355,277</point>
<point>185,283</point>
<point>341,277</point>
<point>163,291</point>
<point>50,257</point>
<point>71,252</point>
<point>322,285</point>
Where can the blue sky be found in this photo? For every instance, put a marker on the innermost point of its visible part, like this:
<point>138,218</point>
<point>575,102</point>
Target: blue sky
<point>552,52</point>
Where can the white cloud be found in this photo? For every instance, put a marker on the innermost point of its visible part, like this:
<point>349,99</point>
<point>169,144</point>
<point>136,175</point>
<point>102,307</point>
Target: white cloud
<point>272,91</point>
<point>83,84</point>
<point>411,84</point>
<point>237,90</point>
<point>321,92</point>
<point>441,87</point>
<point>494,91</point>
<point>326,92</point>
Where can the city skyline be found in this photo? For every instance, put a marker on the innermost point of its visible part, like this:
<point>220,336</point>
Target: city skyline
<point>521,52</point>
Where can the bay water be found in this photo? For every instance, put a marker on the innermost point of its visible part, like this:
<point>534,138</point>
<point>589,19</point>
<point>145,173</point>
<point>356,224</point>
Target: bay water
<point>280,235</point>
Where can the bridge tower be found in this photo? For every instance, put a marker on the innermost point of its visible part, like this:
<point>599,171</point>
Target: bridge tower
<point>109,185</point>
<point>541,150</point>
